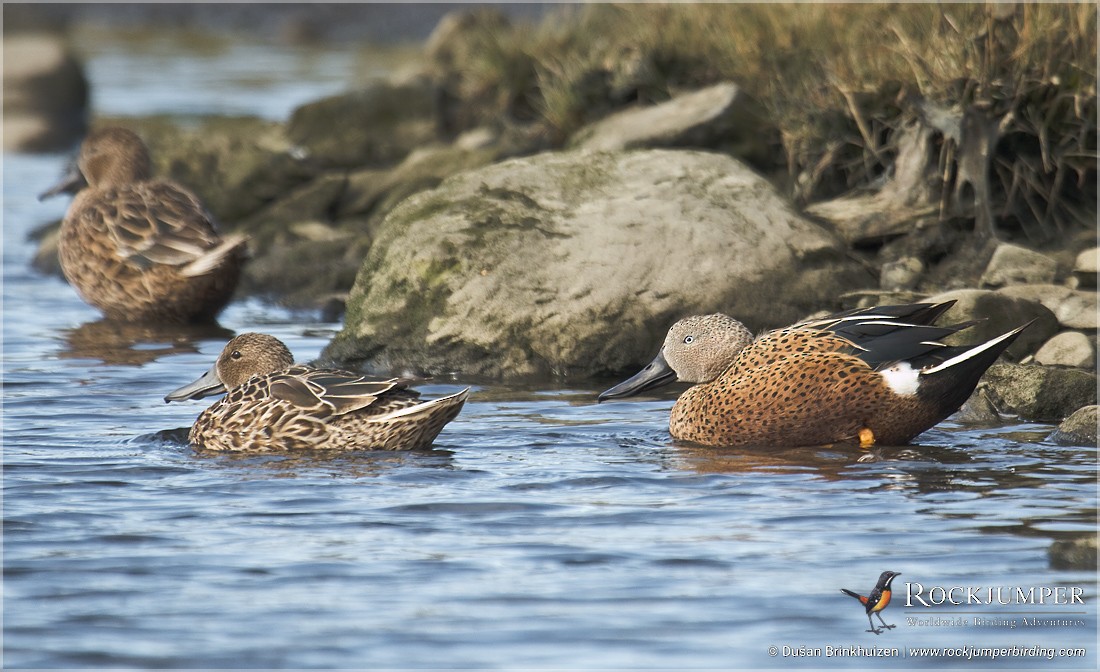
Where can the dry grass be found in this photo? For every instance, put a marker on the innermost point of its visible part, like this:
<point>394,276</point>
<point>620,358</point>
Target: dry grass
<point>839,80</point>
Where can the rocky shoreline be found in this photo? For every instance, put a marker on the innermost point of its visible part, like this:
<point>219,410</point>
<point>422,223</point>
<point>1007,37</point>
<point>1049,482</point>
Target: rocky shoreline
<point>456,245</point>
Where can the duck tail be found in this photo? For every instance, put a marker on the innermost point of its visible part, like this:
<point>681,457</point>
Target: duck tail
<point>233,246</point>
<point>415,427</point>
<point>954,379</point>
<point>979,357</point>
<point>447,406</point>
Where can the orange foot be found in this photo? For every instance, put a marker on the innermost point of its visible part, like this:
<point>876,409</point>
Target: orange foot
<point>866,438</point>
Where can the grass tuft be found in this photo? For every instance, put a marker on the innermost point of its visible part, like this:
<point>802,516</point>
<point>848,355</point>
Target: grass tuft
<point>839,80</point>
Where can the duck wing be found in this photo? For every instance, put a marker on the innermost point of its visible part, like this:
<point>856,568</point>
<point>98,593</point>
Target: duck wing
<point>158,223</point>
<point>909,313</point>
<point>331,392</point>
<point>883,335</point>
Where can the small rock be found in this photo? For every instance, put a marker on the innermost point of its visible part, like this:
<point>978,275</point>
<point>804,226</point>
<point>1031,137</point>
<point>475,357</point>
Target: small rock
<point>1074,309</point>
<point>1041,393</point>
<point>1079,429</point>
<point>902,274</point>
<point>1085,268</point>
<point>998,314</point>
<point>45,258</point>
<point>1073,554</point>
<point>869,298</point>
<point>45,94</point>
<point>1069,348</point>
<point>719,115</point>
<point>318,232</point>
<point>1015,265</point>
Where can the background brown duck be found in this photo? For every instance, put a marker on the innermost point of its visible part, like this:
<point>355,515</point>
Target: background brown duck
<point>141,249</point>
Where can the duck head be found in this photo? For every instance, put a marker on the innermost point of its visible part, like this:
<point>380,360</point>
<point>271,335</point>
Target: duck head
<point>242,358</point>
<point>108,156</point>
<point>696,350</point>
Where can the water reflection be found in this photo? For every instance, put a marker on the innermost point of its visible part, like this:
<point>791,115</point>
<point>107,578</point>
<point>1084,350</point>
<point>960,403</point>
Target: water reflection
<point>823,462</point>
<point>134,344</point>
<point>328,464</point>
<point>921,469</point>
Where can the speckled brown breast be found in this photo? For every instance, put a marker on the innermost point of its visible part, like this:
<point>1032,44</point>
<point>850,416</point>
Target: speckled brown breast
<point>797,388</point>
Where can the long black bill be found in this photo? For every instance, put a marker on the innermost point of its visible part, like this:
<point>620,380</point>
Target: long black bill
<point>655,374</point>
<point>72,182</point>
<point>206,386</point>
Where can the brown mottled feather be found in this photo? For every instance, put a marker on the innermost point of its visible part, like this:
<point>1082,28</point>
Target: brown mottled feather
<point>127,240</point>
<point>296,407</point>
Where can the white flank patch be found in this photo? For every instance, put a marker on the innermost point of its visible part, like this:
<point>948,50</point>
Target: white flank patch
<point>901,378</point>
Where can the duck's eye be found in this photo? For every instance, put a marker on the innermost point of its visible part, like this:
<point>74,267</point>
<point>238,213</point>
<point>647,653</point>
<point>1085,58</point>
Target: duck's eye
<point>688,340</point>
<point>236,354</point>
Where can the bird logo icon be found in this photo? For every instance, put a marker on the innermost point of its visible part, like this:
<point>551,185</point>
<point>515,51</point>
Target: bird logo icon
<point>877,600</point>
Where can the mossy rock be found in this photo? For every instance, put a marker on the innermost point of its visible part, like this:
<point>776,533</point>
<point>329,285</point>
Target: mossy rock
<point>1041,393</point>
<point>1079,429</point>
<point>574,264</point>
<point>376,126</point>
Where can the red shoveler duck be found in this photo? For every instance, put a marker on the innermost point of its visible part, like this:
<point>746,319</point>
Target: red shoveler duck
<point>137,248</point>
<point>878,375</point>
<point>270,403</point>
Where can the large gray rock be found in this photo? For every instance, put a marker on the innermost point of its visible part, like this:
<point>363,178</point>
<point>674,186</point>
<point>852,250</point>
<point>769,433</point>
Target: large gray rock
<point>1042,393</point>
<point>719,115</point>
<point>371,193</point>
<point>997,314</point>
<point>1015,265</point>
<point>576,263</point>
<point>1079,429</point>
<point>45,94</point>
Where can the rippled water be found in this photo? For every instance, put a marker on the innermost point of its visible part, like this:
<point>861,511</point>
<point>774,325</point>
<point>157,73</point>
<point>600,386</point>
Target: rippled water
<point>541,531</point>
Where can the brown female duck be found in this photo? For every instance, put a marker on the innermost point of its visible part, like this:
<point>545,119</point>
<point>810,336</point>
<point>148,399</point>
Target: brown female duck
<point>273,404</point>
<point>141,249</point>
<point>874,375</point>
